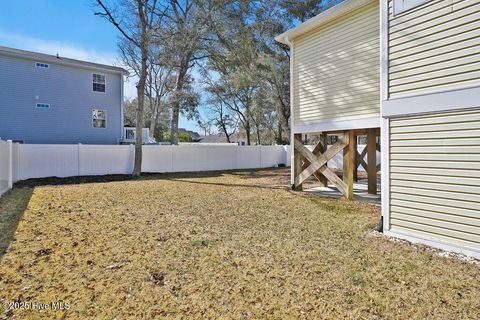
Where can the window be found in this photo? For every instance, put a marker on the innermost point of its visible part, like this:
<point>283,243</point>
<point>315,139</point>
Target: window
<point>41,65</point>
<point>43,105</point>
<point>400,6</point>
<point>98,82</point>
<point>99,118</point>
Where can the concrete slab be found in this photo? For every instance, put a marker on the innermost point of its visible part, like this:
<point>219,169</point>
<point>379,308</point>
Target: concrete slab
<point>360,192</point>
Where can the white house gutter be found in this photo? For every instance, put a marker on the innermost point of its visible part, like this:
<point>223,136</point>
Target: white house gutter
<point>41,57</point>
<point>339,10</point>
<point>292,115</point>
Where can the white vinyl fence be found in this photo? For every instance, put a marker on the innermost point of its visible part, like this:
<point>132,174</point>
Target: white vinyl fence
<point>6,179</point>
<point>24,161</point>
<point>42,160</point>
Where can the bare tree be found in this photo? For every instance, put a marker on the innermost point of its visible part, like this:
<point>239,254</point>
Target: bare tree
<point>223,119</point>
<point>136,20</point>
<point>182,39</point>
<point>205,125</point>
<point>158,85</point>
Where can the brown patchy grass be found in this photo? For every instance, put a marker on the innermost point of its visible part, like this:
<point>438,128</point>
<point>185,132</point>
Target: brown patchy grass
<point>217,245</point>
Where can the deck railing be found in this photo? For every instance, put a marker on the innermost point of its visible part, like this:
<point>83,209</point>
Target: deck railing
<point>129,135</point>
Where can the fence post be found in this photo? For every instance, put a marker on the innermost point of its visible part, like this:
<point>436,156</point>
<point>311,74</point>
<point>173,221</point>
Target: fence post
<point>78,159</point>
<point>260,148</point>
<point>10,164</point>
<point>236,156</point>
<point>132,157</point>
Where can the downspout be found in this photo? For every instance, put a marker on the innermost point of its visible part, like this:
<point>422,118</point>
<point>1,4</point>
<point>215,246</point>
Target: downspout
<point>122,105</point>
<point>292,115</point>
<point>384,223</point>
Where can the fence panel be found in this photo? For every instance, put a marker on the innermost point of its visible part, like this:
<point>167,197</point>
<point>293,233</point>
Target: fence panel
<point>157,159</point>
<point>15,162</point>
<point>222,157</point>
<point>272,156</point>
<point>190,158</point>
<point>39,161</point>
<point>47,160</point>
<point>248,157</point>
<point>107,159</point>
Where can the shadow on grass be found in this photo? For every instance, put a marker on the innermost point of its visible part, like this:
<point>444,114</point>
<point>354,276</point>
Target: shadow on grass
<point>12,207</point>
<point>235,185</point>
<point>247,173</point>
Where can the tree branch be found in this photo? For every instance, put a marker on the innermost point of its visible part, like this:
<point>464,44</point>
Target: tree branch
<point>108,15</point>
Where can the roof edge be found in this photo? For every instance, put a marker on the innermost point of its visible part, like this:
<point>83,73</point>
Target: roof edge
<point>42,57</point>
<point>339,10</point>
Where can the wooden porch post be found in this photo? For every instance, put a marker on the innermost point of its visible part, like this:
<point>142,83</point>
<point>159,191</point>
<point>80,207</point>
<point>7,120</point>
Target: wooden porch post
<point>372,161</point>
<point>348,162</point>
<point>297,165</point>
<point>323,148</point>
<point>356,163</point>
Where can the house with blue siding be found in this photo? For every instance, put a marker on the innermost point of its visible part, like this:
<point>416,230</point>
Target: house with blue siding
<point>50,99</point>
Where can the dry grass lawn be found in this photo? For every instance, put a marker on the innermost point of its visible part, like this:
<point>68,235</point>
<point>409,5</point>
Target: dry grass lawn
<point>216,245</point>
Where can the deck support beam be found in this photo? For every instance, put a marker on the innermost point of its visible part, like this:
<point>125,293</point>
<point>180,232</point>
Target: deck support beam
<point>323,146</point>
<point>372,161</point>
<point>349,155</point>
<point>297,162</point>
<point>308,163</point>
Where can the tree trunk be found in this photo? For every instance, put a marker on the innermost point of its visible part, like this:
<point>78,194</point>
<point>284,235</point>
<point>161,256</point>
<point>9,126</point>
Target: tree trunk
<point>137,167</point>
<point>258,134</point>
<point>225,130</point>
<point>279,133</point>
<point>153,122</point>
<point>283,117</point>
<point>247,132</point>
<point>161,131</point>
<point>176,102</point>
<point>174,125</point>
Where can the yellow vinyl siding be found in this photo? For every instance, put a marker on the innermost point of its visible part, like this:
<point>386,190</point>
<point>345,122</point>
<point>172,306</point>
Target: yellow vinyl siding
<point>435,176</point>
<point>336,69</point>
<point>435,46</point>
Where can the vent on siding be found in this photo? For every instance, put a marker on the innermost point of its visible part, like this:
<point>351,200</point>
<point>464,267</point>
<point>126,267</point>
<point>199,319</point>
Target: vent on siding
<point>42,65</point>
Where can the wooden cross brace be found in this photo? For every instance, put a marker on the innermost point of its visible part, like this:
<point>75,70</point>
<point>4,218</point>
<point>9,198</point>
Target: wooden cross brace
<point>318,163</point>
<point>361,158</point>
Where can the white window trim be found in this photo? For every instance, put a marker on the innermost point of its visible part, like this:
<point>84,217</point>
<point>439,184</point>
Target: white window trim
<point>45,65</point>
<point>102,74</point>
<point>40,103</point>
<point>106,118</point>
<point>400,6</point>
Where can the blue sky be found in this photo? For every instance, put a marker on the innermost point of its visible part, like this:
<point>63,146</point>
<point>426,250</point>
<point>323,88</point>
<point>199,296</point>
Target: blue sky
<point>66,27</point>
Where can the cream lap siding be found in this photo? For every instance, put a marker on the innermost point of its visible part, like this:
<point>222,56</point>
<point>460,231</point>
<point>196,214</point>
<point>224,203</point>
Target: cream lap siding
<point>434,47</point>
<point>336,69</point>
<point>435,177</point>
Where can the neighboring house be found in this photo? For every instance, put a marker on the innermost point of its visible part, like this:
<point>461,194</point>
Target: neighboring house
<point>429,91</point>
<point>335,77</point>
<point>52,99</point>
<point>235,138</point>
<point>431,122</point>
